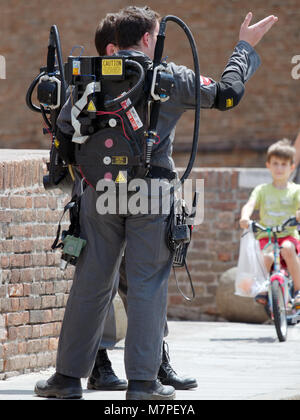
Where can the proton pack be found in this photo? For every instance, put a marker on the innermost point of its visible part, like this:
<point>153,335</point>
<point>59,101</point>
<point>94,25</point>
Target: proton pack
<point>115,104</point>
<point>110,99</point>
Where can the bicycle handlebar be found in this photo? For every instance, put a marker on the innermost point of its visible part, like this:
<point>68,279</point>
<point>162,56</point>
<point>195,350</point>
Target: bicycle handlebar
<point>291,221</point>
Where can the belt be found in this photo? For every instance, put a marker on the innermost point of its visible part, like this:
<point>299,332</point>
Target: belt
<point>159,172</point>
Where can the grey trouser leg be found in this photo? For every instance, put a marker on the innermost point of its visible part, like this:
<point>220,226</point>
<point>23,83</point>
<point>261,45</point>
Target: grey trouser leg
<point>148,265</point>
<point>109,339</point>
<point>122,290</point>
<point>91,291</point>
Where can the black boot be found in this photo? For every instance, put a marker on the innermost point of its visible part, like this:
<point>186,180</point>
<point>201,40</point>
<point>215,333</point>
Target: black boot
<point>59,386</point>
<point>149,390</point>
<point>103,377</point>
<point>168,376</point>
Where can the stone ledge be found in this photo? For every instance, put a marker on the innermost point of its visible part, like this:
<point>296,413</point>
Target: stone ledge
<point>16,155</point>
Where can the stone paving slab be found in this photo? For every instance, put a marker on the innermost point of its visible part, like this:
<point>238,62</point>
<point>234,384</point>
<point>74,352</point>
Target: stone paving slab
<point>230,361</point>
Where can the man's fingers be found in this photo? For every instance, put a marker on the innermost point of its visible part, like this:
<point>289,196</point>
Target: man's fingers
<point>270,20</point>
<point>268,26</point>
<point>253,34</point>
<point>248,19</point>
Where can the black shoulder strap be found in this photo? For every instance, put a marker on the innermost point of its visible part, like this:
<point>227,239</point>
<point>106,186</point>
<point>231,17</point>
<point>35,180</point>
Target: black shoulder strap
<point>74,228</point>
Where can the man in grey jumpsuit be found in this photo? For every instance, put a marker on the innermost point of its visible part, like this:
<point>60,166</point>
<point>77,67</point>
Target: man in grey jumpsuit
<point>103,376</point>
<point>148,259</point>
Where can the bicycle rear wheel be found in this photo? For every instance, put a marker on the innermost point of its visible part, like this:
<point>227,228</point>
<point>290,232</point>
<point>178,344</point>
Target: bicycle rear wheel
<point>279,311</point>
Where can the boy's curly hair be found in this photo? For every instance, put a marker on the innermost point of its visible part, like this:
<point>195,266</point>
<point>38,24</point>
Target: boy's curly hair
<point>282,149</point>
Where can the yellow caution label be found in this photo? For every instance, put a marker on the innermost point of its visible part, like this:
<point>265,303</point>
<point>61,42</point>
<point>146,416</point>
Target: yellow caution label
<point>229,102</point>
<point>119,160</point>
<point>91,107</point>
<point>112,67</point>
<point>56,143</point>
<point>121,178</point>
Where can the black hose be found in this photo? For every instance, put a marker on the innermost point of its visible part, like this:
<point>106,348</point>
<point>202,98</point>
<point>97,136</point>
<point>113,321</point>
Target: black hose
<point>30,91</point>
<point>45,118</point>
<point>157,56</point>
<point>54,32</point>
<point>115,101</point>
<point>54,43</point>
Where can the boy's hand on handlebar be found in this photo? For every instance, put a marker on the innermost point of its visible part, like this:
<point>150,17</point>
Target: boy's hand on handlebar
<point>298,215</point>
<point>244,223</point>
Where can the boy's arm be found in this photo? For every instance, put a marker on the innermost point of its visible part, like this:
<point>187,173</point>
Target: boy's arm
<point>246,213</point>
<point>298,199</point>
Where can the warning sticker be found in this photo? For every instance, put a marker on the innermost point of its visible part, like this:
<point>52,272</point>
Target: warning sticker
<point>119,160</point>
<point>91,107</point>
<point>229,102</point>
<point>121,178</point>
<point>76,68</point>
<point>132,115</point>
<point>112,67</point>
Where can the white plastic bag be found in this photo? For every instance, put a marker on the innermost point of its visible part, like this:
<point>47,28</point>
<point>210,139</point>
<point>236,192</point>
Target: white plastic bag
<point>251,276</point>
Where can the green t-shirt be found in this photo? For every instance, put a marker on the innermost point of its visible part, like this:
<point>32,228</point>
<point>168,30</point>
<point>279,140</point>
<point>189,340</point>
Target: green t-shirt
<point>276,205</point>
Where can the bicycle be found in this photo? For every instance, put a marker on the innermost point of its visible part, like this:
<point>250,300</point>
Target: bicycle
<point>279,284</point>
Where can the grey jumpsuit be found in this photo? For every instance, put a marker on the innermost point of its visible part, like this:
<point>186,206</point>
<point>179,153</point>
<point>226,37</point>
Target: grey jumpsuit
<point>148,260</point>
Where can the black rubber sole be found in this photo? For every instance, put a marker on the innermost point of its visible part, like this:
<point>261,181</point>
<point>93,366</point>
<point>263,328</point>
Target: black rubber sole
<point>107,388</point>
<point>131,395</point>
<point>58,394</point>
<point>182,387</point>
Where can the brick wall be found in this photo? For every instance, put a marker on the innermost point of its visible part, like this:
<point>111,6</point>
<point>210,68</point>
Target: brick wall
<point>215,243</point>
<point>268,112</point>
<point>33,290</point>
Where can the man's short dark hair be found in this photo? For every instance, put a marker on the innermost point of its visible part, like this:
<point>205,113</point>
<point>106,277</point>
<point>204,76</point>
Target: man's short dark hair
<point>105,33</point>
<point>132,23</point>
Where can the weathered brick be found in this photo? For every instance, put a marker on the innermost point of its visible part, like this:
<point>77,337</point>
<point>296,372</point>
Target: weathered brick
<point>40,316</point>
<point>15,290</point>
<point>47,330</point>
<point>48,301</point>
<point>17,363</point>
<point>40,202</point>
<point>58,314</point>
<point>17,202</point>
<point>38,345</point>
<point>5,216</point>
<point>53,343</point>
<point>3,332</point>
<point>16,260</point>
<point>17,318</point>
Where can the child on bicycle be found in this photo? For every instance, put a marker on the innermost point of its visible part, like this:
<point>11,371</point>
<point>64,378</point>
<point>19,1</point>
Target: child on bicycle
<point>276,202</point>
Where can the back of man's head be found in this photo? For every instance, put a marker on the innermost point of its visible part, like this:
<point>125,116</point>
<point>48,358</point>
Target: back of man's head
<point>105,33</point>
<point>132,23</point>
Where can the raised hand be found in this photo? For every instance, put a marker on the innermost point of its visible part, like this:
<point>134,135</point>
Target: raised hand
<point>254,33</point>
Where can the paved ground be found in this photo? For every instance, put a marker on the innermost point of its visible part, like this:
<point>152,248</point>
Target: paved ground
<point>230,361</point>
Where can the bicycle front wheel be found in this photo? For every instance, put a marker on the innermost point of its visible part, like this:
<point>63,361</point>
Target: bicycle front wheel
<point>279,311</point>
